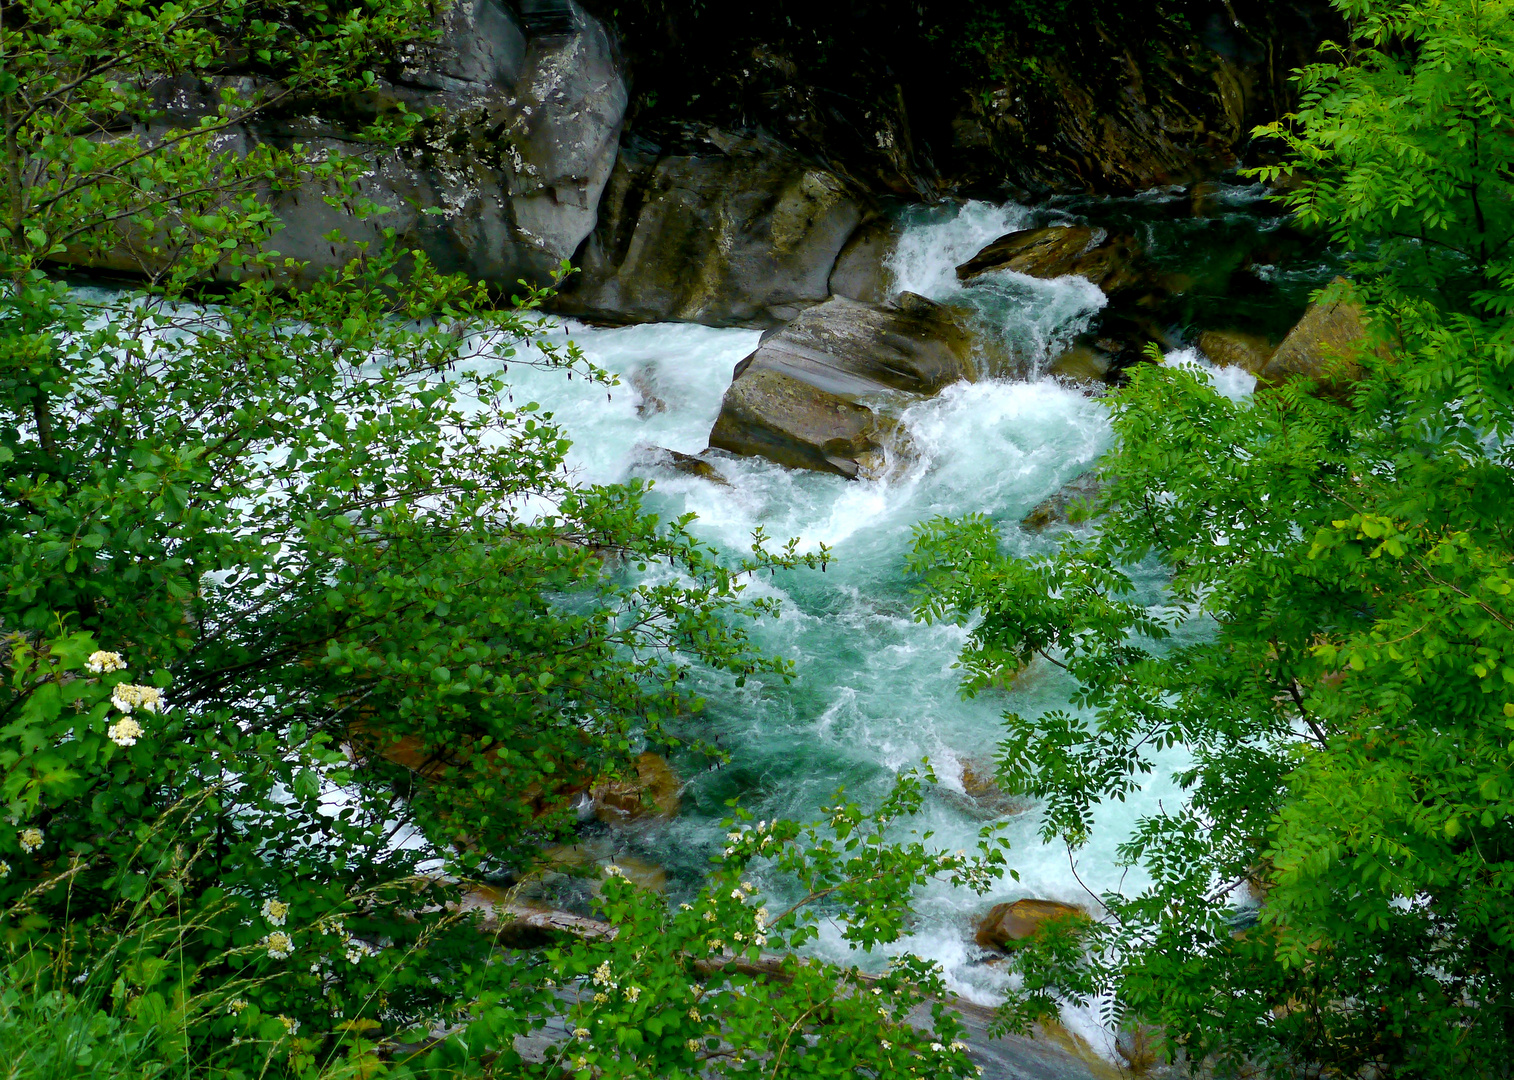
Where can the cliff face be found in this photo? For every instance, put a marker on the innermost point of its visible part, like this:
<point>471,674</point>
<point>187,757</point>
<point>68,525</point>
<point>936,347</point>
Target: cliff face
<point>982,96</point>
<point>713,162</point>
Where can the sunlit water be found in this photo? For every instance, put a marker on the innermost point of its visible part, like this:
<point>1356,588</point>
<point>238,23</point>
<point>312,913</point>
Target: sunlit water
<point>876,691</point>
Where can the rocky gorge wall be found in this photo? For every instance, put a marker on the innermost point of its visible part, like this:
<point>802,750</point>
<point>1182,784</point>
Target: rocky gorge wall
<point>732,165</point>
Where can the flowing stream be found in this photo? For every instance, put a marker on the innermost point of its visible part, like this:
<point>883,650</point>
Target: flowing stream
<point>875,691</point>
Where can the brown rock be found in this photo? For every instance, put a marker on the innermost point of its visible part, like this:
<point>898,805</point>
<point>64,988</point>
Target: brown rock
<point>1110,262</point>
<point>1082,364</point>
<point>824,392</point>
<point>1236,348</point>
<point>1064,505</point>
<point>654,791</point>
<point>1327,345</point>
<point>1008,924</point>
<point>656,457</point>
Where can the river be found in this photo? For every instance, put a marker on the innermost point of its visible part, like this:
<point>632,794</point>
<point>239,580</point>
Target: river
<point>875,690</point>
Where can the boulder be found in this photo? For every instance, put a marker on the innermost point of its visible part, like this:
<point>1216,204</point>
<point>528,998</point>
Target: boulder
<point>1006,925</point>
<point>1110,262</point>
<point>659,458</point>
<point>861,271</point>
<point>1061,507</point>
<point>1236,348</point>
<point>503,180</point>
<point>727,231</point>
<point>1083,363</point>
<point>1326,345</point>
<point>652,792</point>
<point>825,391</point>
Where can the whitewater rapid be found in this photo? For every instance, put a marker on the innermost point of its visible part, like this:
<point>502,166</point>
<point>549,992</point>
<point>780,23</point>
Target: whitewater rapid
<point>875,691</point>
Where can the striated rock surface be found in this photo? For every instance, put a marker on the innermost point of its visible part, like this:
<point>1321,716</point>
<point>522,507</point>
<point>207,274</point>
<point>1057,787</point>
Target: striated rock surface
<point>824,392</point>
<point>725,231</point>
<point>1006,925</point>
<point>1110,262</point>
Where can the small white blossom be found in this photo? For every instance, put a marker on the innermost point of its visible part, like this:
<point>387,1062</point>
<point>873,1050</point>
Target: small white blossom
<point>5,869</point>
<point>709,916</point>
<point>693,1045</point>
<point>737,894</point>
<point>603,976</point>
<point>959,1046</point>
<point>614,871</point>
<point>685,907</point>
<point>124,732</point>
<point>290,1025</point>
<point>358,951</point>
<point>127,697</point>
<point>733,837</point>
<point>759,940</point>
<point>581,1063</point>
<point>694,1015</point>
<point>748,886</point>
<point>236,1005</point>
<point>632,993</point>
<point>279,945</point>
<point>580,1033</point>
<point>716,944</point>
<point>601,997</point>
<point>30,839</point>
<point>762,917</point>
<point>937,1047</point>
<point>886,1044</point>
<point>102,662</point>
<point>739,936</point>
<point>275,911</point>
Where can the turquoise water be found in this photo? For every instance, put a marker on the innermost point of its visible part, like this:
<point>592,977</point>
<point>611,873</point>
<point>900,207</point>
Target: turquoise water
<point>875,691</point>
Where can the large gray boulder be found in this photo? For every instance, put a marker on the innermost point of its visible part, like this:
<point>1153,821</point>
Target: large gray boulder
<point>825,392</point>
<point>503,181</point>
<point>727,231</point>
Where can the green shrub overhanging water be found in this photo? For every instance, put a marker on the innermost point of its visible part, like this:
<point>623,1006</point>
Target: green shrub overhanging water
<point>1338,891</point>
<point>307,626</point>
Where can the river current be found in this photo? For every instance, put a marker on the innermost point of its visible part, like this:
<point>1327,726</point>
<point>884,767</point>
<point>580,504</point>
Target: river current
<point>875,690</point>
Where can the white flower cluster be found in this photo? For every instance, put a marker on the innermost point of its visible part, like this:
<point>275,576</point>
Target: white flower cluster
<point>124,732</point>
<point>5,869</point>
<point>236,1005</point>
<point>358,951</point>
<point>275,911</point>
<point>129,696</point>
<point>761,833</point>
<point>29,839</point>
<point>280,945</point>
<point>290,1025</point>
<point>101,662</point>
<point>603,976</point>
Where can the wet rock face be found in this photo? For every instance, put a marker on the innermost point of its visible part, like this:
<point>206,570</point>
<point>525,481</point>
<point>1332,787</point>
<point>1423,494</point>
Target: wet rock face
<point>1113,263</point>
<point>823,392</point>
<point>724,230</point>
<point>524,132</point>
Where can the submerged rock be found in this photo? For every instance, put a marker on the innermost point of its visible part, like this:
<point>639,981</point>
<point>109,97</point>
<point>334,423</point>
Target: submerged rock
<point>1110,262</point>
<point>1083,363</point>
<point>824,392</point>
<point>652,792</point>
<point>1063,506</point>
<point>659,458</point>
<point>1326,345</point>
<point>1006,925</point>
